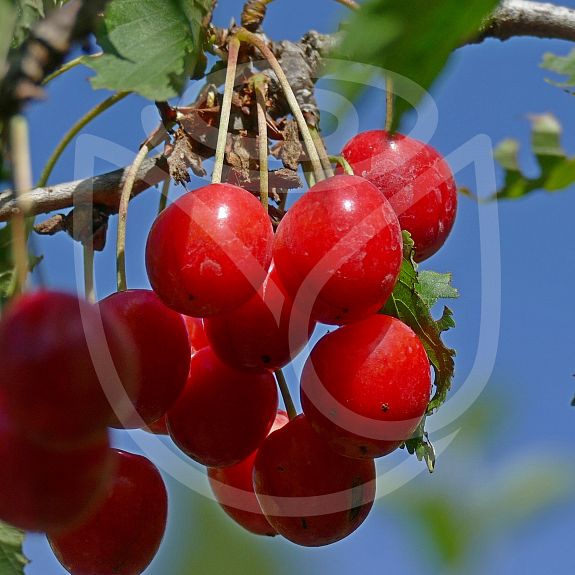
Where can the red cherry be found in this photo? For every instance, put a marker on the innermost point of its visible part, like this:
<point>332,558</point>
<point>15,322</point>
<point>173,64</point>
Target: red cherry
<point>196,333</point>
<point>161,338</point>
<point>310,494</point>
<point>56,353</point>
<point>208,252</point>
<point>124,533</point>
<point>415,179</point>
<point>339,250</point>
<point>223,413</point>
<point>233,489</point>
<point>47,489</point>
<point>366,386</point>
<point>267,332</point>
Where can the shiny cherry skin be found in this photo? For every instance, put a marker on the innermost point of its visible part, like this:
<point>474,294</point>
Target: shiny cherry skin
<point>223,414</point>
<point>208,252</point>
<point>47,489</point>
<point>338,250</point>
<point>163,348</point>
<point>123,535</point>
<point>196,333</point>
<point>308,493</point>
<point>234,490</point>
<point>415,179</point>
<point>366,386</point>
<point>267,332</point>
<point>57,354</point>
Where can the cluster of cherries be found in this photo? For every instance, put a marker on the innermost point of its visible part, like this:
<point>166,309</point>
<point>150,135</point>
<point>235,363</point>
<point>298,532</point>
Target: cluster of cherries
<point>232,302</point>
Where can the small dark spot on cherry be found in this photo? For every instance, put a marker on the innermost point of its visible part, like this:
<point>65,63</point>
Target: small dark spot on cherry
<point>266,359</point>
<point>363,449</point>
<point>385,407</point>
<point>280,468</point>
<point>191,297</point>
<point>303,523</point>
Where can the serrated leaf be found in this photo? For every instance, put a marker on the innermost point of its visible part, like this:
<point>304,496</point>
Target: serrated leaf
<point>150,46</point>
<point>413,39</point>
<point>557,170</point>
<point>28,13</point>
<point>562,65</point>
<point>407,304</point>
<point>433,286</point>
<point>12,559</point>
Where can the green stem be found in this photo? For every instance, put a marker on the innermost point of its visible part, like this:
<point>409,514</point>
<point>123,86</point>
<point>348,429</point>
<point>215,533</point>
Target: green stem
<point>233,51</point>
<point>122,282</point>
<point>389,100</point>
<point>320,147</point>
<point>256,41</point>
<point>73,131</point>
<point>164,195</point>
<point>343,163</point>
<point>260,87</point>
<point>22,181</point>
<point>88,259</point>
<point>68,66</point>
<point>286,396</point>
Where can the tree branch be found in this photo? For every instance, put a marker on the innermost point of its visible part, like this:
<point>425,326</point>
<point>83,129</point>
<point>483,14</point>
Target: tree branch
<point>45,49</point>
<point>523,18</point>
<point>102,190</point>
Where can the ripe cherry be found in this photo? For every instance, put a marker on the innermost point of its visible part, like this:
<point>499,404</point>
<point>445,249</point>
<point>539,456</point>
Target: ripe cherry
<point>234,490</point>
<point>196,333</point>
<point>338,250</point>
<point>223,414</point>
<point>48,489</point>
<point>267,332</point>
<point>163,348</point>
<point>122,536</point>
<point>208,252</point>
<point>308,493</point>
<point>415,179</point>
<point>366,386</point>
<point>57,353</point>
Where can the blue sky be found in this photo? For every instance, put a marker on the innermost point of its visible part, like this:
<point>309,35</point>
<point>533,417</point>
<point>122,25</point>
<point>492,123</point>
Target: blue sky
<point>488,89</point>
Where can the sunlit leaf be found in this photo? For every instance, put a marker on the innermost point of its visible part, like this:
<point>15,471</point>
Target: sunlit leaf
<point>12,559</point>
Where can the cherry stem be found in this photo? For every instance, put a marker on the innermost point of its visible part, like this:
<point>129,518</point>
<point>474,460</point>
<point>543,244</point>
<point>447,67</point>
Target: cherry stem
<point>22,182</point>
<point>261,88</point>
<point>164,195</point>
<point>340,160</point>
<point>88,261</point>
<point>68,66</point>
<point>233,51</point>
<point>286,396</point>
<point>320,147</point>
<point>73,131</point>
<point>389,100</point>
<point>155,139</point>
<point>253,39</point>
<point>351,4</point>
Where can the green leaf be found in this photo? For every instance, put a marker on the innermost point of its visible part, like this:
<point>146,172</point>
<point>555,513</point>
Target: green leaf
<point>563,65</point>
<point>7,22</point>
<point>7,270</point>
<point>557,170</point>
<point>410,302</point>
<point>12,559</point>
<point>28,13</point>
<point>150,46</point>
<point>412,38</point>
